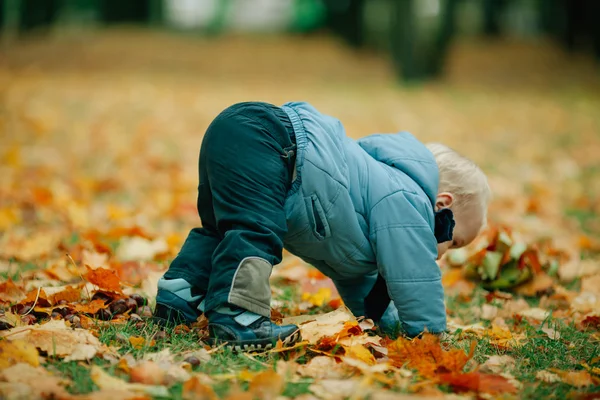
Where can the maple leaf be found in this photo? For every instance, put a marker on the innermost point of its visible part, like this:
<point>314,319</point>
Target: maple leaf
<point>478,383</point>
<point>90,308</point>
<point>427,356</point>
<point>104,279</point>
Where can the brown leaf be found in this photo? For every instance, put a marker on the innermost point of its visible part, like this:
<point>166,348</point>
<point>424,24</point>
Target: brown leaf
<point>104,279</point>
<point>478,383</point>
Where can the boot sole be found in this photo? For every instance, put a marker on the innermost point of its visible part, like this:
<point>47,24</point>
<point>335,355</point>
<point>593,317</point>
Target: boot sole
<point>255,345</point>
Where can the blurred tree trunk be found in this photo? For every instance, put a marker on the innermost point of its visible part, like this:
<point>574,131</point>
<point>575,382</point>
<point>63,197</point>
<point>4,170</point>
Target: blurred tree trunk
<point>419,53</point>
<point>492,13</point>
<point>345,18</point>
<point>116,11</point>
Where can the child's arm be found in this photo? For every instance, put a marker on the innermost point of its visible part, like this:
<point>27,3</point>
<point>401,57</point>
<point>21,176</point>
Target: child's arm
<point>406,250</point>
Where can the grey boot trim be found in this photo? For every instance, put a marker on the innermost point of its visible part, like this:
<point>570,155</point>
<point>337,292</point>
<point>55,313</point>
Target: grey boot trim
<point>250,287</point>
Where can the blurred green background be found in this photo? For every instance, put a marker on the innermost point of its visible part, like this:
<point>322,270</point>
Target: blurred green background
<point>415,35</point>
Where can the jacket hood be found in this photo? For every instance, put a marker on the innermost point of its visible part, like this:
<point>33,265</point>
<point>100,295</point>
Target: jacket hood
<point>404,152</point>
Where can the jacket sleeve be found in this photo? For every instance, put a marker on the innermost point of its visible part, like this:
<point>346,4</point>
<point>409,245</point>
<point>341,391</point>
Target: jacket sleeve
<point>406,252</point>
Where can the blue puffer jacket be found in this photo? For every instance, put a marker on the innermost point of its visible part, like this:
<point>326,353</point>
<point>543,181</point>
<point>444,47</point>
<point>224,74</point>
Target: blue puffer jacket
<point>357,208</point>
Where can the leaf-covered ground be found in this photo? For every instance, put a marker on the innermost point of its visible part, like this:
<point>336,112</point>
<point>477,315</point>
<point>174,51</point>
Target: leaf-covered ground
<point>100,136</point>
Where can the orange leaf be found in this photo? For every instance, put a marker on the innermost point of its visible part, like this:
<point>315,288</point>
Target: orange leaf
<point>266,385</point>
<point>10,292</point>
<point>90,308</point>
<point>427,356</point>
<point>104,279</point>
<point>32,296</point>
<point>194,389</point>
<point>479,383</point>
<point>70,294</point>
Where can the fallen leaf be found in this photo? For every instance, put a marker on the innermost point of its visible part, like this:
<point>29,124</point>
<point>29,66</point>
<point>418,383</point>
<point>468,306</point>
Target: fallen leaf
<point>497,364</point>
<point>58,340</point>
<point>10,292</point>
<point>323,367</point>
<point>90,308</point>
<point>551,332</point>
<point>138,342</point>
<point>540,283</point>
<point>193,389</point>
<point>139,249</point>
<point>574,378</point>
<point>107,382</point>
<point>535,313</point>
<point>104,279</point>
<point>361,353</point>
<point>17,351</point>
<point>325,325</point>
<point>478,383</point>
<point>40,382</point>
<point>70,294</point>
<point>266,385</point>
<point>147,372</point>
<point>547,376</point>
<point>427,356</point>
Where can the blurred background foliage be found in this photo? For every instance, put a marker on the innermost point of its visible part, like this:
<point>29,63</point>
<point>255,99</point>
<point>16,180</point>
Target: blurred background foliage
<point>414,34</point>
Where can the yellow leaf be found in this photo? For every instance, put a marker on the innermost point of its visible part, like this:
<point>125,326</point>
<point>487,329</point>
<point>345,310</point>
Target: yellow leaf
<point>318,299</point>
<point>246,375</point>
<point>17,351</point>
<point>137,342</point>
<point>361,353</point>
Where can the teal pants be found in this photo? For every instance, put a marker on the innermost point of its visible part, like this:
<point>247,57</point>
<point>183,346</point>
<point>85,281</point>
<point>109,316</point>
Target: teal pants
<point>245,171</point>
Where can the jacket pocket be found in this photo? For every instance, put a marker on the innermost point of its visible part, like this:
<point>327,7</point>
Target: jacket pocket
<point>316,217</point>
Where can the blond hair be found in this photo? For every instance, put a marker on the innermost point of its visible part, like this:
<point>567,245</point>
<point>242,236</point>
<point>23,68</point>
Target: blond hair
<point>461,177</point>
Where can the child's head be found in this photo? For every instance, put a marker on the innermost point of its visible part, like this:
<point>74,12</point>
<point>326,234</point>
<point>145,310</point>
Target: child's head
<point>464,189</point>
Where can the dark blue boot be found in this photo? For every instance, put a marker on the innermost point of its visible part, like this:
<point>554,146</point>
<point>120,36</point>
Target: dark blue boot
<point>177,302</point>
<point>246,331</point>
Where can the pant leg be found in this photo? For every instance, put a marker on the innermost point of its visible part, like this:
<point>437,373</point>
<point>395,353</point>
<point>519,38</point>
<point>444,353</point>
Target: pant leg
<point>354,291</point>
<point>246,157</point>
<point>194,261</point>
